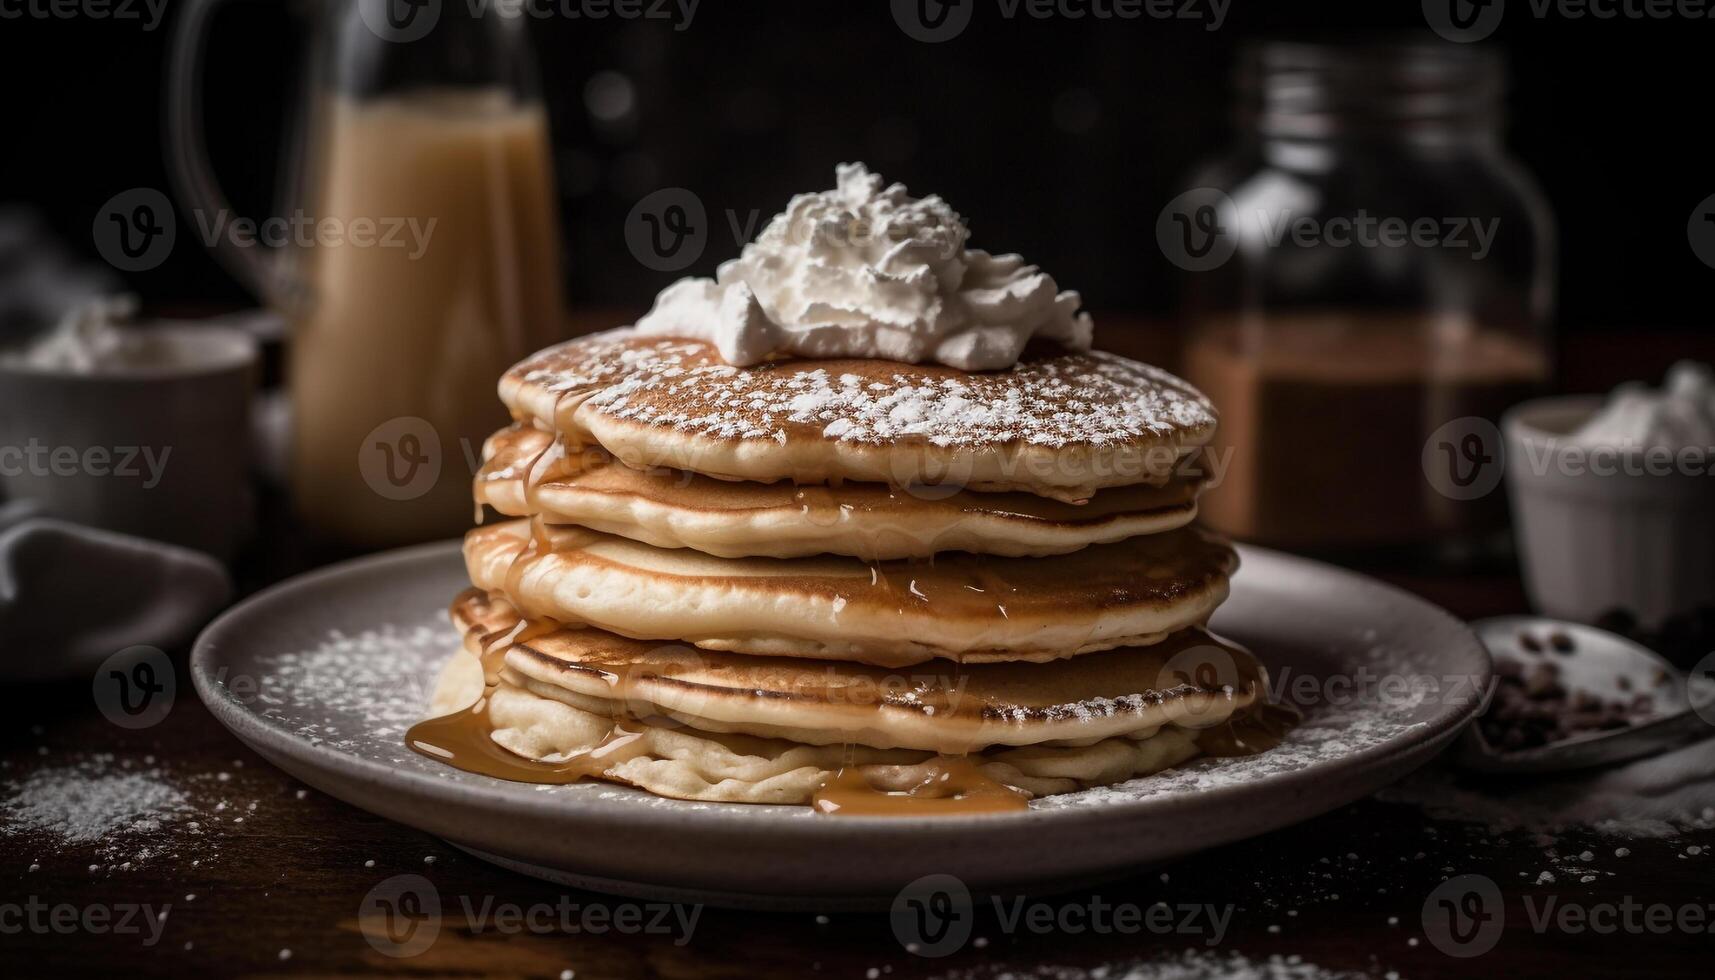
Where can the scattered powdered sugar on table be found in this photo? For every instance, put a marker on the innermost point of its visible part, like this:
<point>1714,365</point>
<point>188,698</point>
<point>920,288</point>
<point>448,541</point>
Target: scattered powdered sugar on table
<point>82,804</point>
<point>128,813</point>
<point>1192,964</point>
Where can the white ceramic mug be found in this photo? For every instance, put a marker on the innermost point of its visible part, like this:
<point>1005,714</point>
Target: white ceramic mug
<point>159,449</point>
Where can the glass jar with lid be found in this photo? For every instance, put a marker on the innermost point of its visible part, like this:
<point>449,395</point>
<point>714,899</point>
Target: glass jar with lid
<point>1380,296</point>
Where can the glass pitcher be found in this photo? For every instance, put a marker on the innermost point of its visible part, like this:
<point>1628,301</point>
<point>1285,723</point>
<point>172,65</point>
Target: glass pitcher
<point>416,252</point>
<point>1386,297</point>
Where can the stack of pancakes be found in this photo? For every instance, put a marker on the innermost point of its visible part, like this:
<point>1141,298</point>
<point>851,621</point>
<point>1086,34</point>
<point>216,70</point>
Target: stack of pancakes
<point>767,584</point>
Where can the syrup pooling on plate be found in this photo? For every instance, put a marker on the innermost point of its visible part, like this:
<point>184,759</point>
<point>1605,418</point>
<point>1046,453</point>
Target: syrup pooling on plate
<point>464,740</point>
<point>951,786</point>
<point>1259,729</point>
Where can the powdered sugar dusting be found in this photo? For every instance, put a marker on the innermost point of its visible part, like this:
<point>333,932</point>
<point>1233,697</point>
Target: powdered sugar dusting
<point>352,690</point>
<point>1086,399</point>
<point>1192,964</point>
<point>1328,733</point>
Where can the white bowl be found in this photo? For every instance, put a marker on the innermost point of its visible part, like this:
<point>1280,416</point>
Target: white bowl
<point>1604,529</point>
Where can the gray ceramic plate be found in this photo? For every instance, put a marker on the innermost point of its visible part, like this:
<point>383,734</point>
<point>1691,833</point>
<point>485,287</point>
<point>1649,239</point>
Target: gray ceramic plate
<point>323,674</point>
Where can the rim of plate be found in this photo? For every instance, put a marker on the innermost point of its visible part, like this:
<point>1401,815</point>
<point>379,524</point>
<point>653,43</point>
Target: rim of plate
<point>241,721</point>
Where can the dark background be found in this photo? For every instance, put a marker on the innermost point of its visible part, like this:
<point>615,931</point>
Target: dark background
<point>1060,138</point>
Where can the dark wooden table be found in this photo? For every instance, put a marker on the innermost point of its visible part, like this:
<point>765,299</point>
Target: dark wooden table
<point>273,878</point>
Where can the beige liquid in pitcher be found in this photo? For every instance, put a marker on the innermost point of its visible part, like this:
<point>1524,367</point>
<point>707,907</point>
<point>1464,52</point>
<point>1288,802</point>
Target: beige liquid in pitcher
<point>394,359</point>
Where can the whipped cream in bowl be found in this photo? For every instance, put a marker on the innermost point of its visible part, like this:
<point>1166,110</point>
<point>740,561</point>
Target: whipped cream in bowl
<point>1680,415</point>
<point>1614,498</point>
<point>867,271</point>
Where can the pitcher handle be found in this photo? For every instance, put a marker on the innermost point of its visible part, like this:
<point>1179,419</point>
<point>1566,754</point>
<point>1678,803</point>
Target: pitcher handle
<point>188,161</point>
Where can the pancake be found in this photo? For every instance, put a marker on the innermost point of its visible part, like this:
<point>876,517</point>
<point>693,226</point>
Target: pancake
<point>678,509</point>
<point>970,608</point>
<point>684,763</point>
<point>1057,424</point>
<point>1192,680</point>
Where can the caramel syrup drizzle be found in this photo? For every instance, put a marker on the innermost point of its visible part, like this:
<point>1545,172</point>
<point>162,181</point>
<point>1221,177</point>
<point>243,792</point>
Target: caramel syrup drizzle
<point>464,739</point>
<point>952,785</point>
<point>956,785</point>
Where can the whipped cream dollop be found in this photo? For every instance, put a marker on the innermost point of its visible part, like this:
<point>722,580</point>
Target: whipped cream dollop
<point>92,337</point>
<point>866,270</point>
<point>1681,415</point>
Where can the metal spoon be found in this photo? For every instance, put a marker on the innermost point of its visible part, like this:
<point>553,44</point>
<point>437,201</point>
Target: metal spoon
<point>1608,666</point>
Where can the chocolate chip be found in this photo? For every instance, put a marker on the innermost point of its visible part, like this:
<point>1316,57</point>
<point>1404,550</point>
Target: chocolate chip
<point>1532,707</point>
